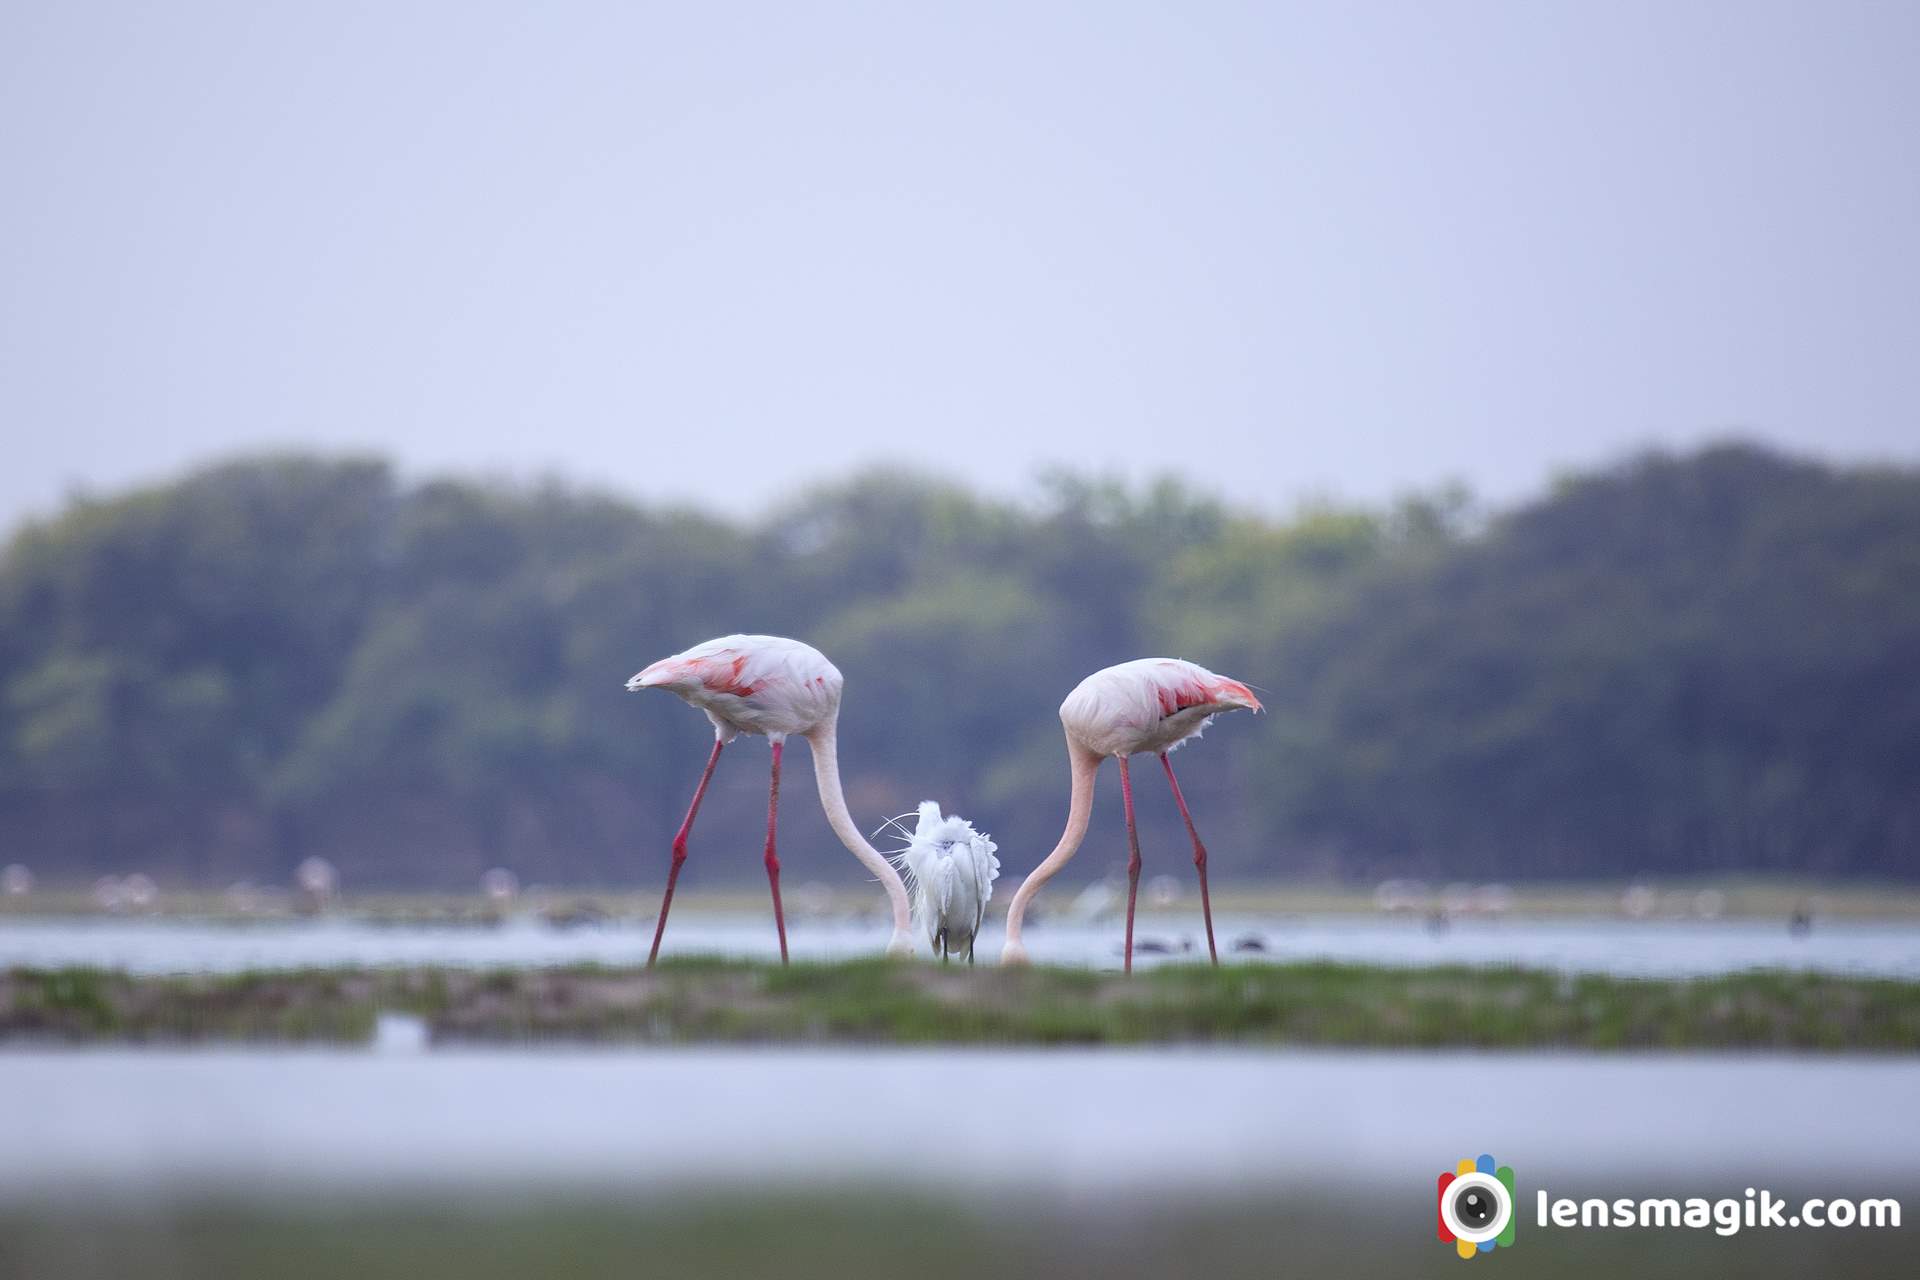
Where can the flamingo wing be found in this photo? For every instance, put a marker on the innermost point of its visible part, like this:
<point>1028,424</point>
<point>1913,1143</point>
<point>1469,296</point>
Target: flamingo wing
<point>764,684</point>
<point>1149,704</point>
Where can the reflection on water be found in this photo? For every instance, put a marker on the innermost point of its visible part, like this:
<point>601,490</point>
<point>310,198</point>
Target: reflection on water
<point>1068,1121</point>
<point>1620,947</point>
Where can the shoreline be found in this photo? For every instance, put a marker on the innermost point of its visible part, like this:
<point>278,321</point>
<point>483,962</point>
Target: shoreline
<point>695,1001</point>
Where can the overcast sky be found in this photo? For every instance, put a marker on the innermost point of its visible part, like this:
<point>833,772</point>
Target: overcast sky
<point>1281,248</point>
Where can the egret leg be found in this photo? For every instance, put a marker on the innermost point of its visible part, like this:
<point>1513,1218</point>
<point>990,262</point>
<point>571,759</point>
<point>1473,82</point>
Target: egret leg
<point>680,849</point>
<point>773,859</point>
<point>1199,857</point>
<point>1133,857</point>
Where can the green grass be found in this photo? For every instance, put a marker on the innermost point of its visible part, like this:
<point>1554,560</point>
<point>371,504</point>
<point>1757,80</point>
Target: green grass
<point>839,1233</point>
<point>709,1001</point>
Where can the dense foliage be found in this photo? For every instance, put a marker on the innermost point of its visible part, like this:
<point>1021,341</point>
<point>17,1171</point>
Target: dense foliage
<point>1680,664</point>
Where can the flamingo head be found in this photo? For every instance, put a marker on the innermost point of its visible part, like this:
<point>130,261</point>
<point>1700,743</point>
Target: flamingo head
<point>668,673</point>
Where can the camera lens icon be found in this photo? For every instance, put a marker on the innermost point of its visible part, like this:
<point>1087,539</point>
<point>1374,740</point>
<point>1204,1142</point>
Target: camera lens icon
<point>1476,1206</point>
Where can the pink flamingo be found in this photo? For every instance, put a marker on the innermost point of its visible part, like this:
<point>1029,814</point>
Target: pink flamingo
<point>1150,704</point>
<point>772,686</point>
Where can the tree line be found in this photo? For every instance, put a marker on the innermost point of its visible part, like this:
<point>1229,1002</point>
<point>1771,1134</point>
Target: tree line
<point>1678,664</point>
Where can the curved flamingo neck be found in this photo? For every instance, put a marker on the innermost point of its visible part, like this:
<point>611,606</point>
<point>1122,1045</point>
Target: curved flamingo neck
<point>826,773</point>
<point>1085,766</point>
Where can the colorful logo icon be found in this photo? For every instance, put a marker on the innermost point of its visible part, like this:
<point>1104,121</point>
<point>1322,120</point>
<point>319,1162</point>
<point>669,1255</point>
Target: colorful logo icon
<point>1476,1206</point>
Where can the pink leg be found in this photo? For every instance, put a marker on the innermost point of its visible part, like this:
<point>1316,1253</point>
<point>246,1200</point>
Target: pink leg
<point>773,859</point>
<point>1199,857</point>
<point>680,849</point>
<point>1133,857</point>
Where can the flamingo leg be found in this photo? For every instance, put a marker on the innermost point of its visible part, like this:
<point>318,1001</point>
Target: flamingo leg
<point>1133,857</point>
<point>680,849</point>
<point>773,859</point>
<point>1199,857</point>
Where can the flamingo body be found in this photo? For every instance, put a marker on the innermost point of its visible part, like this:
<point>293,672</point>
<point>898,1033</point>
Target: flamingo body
<point>950,870</point>
<point>767,685</point>
<point>1148,705</point>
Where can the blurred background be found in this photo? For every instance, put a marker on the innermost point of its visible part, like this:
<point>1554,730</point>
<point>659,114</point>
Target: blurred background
<point>1705,663</point>
<point>1520,397</point>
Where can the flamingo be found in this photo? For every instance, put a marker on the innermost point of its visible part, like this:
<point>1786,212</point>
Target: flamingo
<point>774,687</point>
<point>950,869</point>
<point>1147,705</point>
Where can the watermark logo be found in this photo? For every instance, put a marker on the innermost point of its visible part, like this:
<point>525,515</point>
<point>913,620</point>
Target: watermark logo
<point>1476,1206</point>
<point>1475,1210</point>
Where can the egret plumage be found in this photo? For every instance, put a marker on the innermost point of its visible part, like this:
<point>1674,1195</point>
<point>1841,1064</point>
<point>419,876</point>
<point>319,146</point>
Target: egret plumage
<point>950,870</point>
<point>776,688</point>
<point>1148,705</point>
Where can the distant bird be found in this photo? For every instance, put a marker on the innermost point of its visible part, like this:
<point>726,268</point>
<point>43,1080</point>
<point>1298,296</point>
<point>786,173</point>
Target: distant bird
<point>950,870</point>
<point>771,686</point>
<point>499,885</point>
<point>1148,705</point>
<point>316,882</point>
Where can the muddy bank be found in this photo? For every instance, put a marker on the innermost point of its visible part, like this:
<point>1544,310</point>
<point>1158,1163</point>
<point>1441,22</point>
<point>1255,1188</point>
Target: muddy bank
<point>880,1002</point>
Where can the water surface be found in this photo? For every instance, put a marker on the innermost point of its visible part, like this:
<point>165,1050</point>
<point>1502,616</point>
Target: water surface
<point>1638,948</point>
<point>154,1123</point>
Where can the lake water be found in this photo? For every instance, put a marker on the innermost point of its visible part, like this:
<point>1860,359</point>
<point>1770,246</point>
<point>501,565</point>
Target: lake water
<point>152,1124</point>
<point>147,1125</point>
<point>1640,948</point>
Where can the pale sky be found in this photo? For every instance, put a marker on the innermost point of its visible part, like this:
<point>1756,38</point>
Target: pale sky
<point>713,254</point>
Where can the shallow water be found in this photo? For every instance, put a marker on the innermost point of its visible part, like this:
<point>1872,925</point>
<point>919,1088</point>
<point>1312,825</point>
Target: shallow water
<point>159,1123</point>
<point>1656,948</point>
